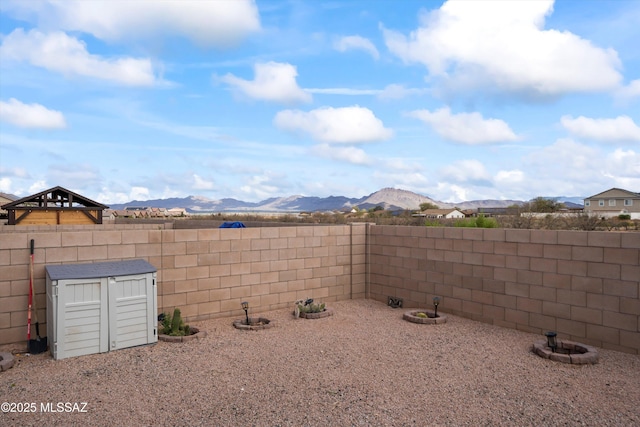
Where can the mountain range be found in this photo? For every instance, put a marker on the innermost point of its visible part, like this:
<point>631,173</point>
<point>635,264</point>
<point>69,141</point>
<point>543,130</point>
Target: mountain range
<point>387,198</point>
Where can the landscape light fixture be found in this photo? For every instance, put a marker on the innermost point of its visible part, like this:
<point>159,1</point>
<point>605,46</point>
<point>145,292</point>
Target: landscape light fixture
<point>436,301</point>
<point>245,307</point>
<point>551,340</point>
<point>309,301</point>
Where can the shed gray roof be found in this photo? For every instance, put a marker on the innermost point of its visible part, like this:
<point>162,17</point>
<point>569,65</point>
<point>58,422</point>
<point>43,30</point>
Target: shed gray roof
<point>99,269</point>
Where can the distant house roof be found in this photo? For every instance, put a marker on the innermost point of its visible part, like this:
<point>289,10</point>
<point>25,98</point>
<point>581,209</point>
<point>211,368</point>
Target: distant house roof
<point>439,213</point>
<point>124,213</point>
<point>5,198</point>
<point>507,210</point>
<point>618,191</point>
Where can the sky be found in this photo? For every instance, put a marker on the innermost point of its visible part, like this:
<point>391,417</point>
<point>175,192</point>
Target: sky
<point>456,100</point>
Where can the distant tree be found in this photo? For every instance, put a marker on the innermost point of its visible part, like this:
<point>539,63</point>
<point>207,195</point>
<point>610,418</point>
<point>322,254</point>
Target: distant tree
<point>427,205</point>
<point>540,204</point>
<point>585,221</point>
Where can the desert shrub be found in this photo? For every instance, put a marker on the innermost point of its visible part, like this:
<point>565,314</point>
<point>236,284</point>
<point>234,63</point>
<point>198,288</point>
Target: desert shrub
<point>311,308</point>
<point>484,222</point>
<point>478,222</point>
<point>466,222</point>
<point>585,221</point>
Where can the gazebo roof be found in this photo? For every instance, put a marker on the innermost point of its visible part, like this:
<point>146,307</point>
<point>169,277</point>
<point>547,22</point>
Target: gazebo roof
<point>56,197</point>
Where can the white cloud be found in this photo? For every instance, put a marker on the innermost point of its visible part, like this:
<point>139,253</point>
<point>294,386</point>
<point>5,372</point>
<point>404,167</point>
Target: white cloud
<point>219,23</point>
<point>470,180</point>
<point>349,125</point>
<point>570,168</point>
<point>411,181</point>
<point>356,42</point>
<point>353,155</point>
<point>37,187</point>
<point>16,172</point>
<point>273,82</point>
<point>452,193</point>
<point>260,187</point>
<point>30,115</point>
<point>633,90</point>
<point>509,177</point>
<point>401,164</point>
<point>466,171</point>
<point>502,45</point>
<point>566,160</point>
<point>625,165</point>
<point>200,183</point>
<point>620,129</point>
<point>70,175</point>
<point>139,193</point>
<point>67,55</point>
<point>466,128</point>
<point>343,91</point>
<point>6,185</point>
<point>396,91</point>
<point>204,133</point>
<point>108,196</point>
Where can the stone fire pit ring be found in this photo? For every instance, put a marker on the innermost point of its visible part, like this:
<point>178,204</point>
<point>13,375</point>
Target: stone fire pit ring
<point>431,319</point>
<point>321,314</point>
<point>255,324</point>
<point>195,335</point>
<point>567,352</point>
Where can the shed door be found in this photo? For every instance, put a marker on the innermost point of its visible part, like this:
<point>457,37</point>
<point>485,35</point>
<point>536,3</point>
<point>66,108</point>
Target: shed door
<point>131,311</point>
<point>82,319</point>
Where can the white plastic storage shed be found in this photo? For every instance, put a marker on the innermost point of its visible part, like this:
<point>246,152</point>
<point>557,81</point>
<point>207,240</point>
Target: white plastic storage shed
<point>99,307</point>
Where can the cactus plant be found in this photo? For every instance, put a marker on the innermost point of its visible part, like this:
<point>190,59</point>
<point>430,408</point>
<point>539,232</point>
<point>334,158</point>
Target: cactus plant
<point>173,325</point>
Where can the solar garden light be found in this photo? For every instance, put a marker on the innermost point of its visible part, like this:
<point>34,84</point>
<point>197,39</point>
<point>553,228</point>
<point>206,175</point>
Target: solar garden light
<point>436,301</point>
<point>309,301</point>
<point>245,307</point>
<point>551,340</point>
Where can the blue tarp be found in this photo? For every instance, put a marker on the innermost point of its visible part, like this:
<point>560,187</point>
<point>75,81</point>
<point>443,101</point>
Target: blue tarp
<point>234,224</point>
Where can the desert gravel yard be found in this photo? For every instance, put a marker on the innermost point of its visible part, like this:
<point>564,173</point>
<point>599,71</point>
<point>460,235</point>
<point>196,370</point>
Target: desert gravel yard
<point>363,366</point>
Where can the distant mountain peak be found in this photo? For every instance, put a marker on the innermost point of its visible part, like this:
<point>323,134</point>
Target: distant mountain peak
<point>402,199</point>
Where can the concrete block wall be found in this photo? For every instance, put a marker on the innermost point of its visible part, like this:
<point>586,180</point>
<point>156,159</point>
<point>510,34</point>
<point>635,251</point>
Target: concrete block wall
<point>584,285</point>
<point>204,272</point>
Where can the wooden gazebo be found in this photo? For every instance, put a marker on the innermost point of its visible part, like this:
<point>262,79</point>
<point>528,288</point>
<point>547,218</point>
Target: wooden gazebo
<point>54,206</point>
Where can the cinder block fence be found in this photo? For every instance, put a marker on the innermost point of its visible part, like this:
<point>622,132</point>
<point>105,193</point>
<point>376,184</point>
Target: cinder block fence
<point>585,285</point>
<point>204,272</point>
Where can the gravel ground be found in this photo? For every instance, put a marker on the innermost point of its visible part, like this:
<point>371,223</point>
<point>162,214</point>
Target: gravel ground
<point>362,366</point>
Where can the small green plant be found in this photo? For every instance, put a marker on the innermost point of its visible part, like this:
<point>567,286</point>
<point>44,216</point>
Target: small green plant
<point>311,308</point>
<point>174,325</point>
<point>624,216</point>
<point>479,222</point>
<point>483,222</point>
<point>422,315</point>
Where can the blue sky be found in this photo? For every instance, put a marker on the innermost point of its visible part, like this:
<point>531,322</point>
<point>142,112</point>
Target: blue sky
<point>456,100</point>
